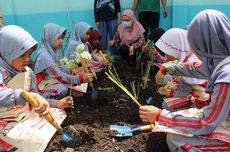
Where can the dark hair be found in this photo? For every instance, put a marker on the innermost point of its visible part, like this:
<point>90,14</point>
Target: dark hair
<point>156,34</point>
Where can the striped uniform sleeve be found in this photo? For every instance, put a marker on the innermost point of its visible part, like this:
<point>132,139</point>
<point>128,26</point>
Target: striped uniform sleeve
<point>193,70</point>
<point>214,114</point>
<point>63,68</point>
<point>8,96</point>
<point>62,77</point>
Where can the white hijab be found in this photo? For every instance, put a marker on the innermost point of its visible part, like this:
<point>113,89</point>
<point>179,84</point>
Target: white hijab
<point>174,43</point>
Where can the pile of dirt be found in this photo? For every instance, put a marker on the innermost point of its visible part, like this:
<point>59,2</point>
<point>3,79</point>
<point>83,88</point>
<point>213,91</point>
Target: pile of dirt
<point>113,108</point>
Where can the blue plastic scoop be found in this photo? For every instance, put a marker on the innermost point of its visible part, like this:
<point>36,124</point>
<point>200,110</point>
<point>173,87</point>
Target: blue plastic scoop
<point>125,131</point>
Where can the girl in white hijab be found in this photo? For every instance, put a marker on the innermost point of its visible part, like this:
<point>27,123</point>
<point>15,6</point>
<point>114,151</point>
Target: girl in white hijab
<point>175,45</point>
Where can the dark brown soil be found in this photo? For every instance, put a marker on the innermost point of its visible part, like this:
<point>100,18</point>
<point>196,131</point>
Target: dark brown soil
<point>92,122</point>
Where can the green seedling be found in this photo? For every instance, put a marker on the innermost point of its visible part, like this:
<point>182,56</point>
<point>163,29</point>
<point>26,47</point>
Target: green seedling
<point>107,89</point>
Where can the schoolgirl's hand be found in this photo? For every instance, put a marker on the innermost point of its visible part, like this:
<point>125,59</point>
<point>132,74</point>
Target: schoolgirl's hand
<point>73,71</point>
<point>77,71</point>
<point>149,113</point>
<point>107,63</point>
<point>43,104</point>
<point>88,77</point>
<point>80,70</point>
<point>66,102</point>
<point>131,50</point>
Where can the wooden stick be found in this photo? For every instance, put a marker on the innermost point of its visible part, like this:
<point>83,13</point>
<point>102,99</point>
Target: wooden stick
<point>147,43</point>
<point>147,127</point>
<point>85,68</point>
<point>84,65</point>
<point>29,98</point>
<point>93,72</point>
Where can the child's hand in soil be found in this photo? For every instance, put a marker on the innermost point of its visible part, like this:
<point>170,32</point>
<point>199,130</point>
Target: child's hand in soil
<point>149,113</point>
<point>66,102</point>
<point>43,105</point>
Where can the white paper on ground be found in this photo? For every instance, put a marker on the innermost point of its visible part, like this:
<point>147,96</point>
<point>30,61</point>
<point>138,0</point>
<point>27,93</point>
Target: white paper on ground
<point>33,134</point>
